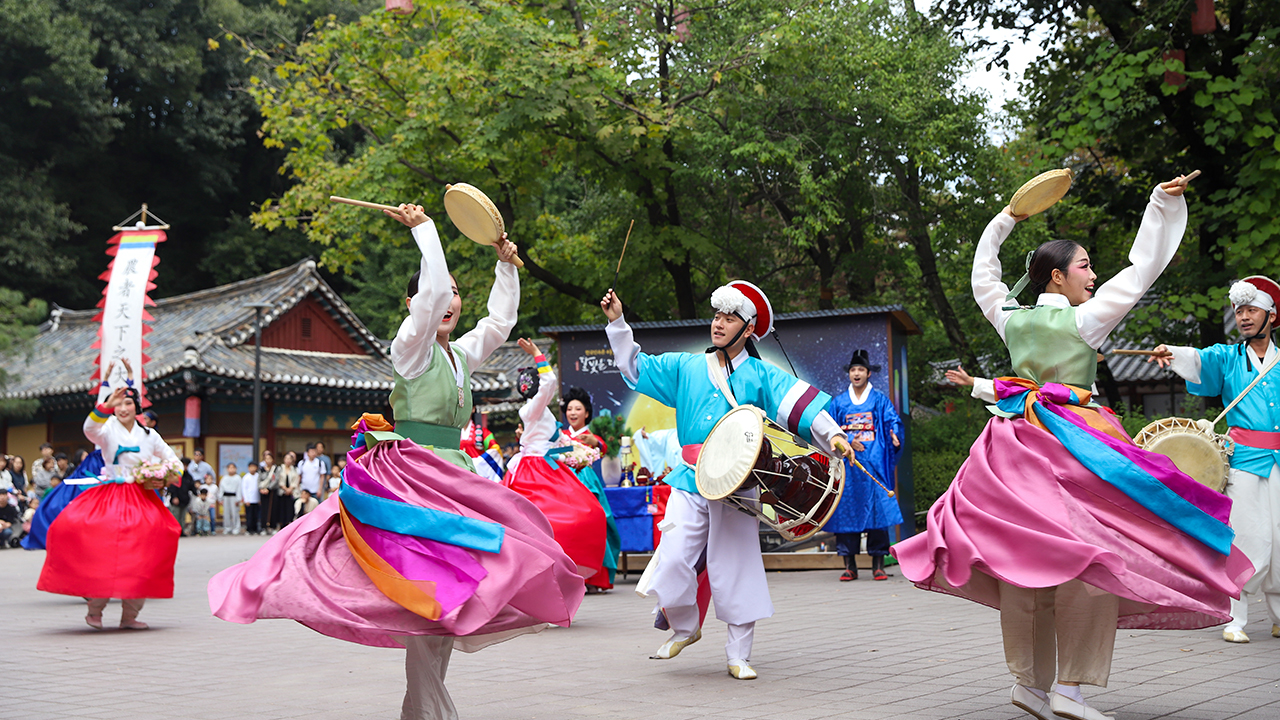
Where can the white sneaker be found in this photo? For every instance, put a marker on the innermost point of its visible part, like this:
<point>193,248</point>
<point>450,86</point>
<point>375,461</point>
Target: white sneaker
<point>1023,697</point>
<point>672,647</point>
<point>1064,706</point>
<point>742,670</point>
<point>1234,635</point>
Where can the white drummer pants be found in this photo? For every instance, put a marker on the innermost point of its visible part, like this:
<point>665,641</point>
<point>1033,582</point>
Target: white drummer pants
<point>735,569</point>
<point>1255,516</point>
<point>425,663</point>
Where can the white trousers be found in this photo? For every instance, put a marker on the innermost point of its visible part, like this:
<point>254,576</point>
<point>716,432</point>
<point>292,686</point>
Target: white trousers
<point>1255,516</point>
<point>735,569</point>
<point>230,515</point>
<point>426,661</point>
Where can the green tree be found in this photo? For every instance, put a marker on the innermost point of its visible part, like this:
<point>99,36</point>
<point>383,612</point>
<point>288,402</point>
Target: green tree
<point>19,322</point>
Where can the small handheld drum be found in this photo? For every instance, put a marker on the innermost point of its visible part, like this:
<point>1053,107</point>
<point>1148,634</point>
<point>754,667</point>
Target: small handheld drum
<point>750,462</point>
<point>1041,192</point>
<point>475,215</point>
<point>1193,446</point>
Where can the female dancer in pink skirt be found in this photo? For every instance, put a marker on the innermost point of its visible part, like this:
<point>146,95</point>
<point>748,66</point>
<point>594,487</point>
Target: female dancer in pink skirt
<point>416,550</point>
<point>1057,518</point>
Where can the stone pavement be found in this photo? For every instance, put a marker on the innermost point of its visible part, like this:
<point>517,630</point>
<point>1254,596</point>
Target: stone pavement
<point>833,650</point>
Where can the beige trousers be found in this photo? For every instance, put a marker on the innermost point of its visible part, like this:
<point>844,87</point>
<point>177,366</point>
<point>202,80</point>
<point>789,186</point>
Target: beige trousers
<point>130,607</point>
<point>1069,630</point>
<point>425,664</point>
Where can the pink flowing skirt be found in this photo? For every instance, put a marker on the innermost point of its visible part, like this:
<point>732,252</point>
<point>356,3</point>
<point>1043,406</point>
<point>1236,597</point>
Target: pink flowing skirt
<point>307,573</point>
<point>1024,511</point>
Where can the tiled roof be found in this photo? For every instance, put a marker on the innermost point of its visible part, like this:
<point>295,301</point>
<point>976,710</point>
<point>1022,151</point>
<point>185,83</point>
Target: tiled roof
<point>211,331</point>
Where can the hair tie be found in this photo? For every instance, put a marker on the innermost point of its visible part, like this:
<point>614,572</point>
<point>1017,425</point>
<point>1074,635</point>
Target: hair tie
<point>1019,286</point>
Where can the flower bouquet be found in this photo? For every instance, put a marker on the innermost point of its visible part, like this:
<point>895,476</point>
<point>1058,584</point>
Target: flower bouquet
<point>155,473</point>
<point>581,456</point>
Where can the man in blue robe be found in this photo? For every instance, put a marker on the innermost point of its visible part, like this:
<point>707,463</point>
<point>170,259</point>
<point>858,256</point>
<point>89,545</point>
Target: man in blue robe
<point>873,426</point>
<point>703,388</point>
<point>1254,480</point>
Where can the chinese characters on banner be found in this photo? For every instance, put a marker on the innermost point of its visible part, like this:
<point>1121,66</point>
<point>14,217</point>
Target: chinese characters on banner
<point>129,277</point>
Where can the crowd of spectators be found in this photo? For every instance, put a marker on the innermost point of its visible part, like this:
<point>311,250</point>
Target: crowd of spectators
<point>265,497</point>
<point>22,489</point>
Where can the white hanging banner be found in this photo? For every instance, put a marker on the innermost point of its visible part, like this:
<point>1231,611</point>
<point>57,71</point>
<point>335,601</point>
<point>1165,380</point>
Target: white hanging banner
<point>129,277</point>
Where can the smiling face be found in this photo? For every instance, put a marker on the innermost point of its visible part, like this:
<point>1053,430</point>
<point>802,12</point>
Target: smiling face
<point>858,377</point>
<point>576,413</point>
<point>1252,320</point>
<point>1076,282</point>
<point>126,412</point>
<point>724,326</point>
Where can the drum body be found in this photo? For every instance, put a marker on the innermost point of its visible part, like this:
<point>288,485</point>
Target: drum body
<point>757,466</point>
<point>1192,446</point>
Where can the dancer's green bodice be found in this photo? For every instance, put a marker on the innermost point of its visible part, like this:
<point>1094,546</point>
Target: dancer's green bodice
<point>1045,346</point>
<point>427,410</point>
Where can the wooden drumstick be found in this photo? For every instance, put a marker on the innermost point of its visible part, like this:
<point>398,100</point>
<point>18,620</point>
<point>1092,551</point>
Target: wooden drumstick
<point>363,204</point>
<point>1152,353</point>
<point>873,477</point>
<point>624,254</point>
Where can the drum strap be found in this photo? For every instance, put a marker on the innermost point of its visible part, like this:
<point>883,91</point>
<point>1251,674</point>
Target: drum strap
<point>718,379</point>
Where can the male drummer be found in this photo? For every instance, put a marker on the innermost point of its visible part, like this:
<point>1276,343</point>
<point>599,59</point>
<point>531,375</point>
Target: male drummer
<point>1254,479</point>
<point>703,388</point>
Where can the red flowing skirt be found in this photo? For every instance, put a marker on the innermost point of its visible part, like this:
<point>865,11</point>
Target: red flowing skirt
<point>577,520</point>
<point>114,541</point>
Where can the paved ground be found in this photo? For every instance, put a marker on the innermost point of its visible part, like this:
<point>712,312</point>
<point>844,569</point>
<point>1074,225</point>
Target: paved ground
<point>834,650</point>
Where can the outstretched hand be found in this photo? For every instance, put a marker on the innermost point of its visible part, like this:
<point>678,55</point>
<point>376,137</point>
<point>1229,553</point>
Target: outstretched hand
<point>1164,359</point>
<point>409,215</point>
<point>611,306</point>
<point>527,345</point>
<point>115,399</point>
<point>959,377</point>
<point>843,447</point>
<point>1178,185</point>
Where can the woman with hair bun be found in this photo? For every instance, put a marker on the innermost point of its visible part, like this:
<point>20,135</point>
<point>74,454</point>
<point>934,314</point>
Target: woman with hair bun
<point>589,447</point>
<point>1057,519</point>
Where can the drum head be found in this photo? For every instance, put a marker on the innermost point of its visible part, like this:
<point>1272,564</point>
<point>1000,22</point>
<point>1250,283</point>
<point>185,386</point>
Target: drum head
<point>1194,452</point>
<point>1041,192</point>
<point>730,452</point>
<point>473,214</point>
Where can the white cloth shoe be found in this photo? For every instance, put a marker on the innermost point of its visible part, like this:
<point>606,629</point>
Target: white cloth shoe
<point>1234,635</point>
<point>1063,706</point>
<point>1029,701</point>
<point>742,670</point>
<point>672,647</point>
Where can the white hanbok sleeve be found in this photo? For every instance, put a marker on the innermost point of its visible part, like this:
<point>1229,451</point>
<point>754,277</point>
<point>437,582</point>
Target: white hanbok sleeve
<point>988,287</point>
<point>984,389</point>
<point>416,339</point>
<point>824,430</point>
<point>1158,239</point>
<point>539,424</point>
<point>493,330</point>
<point>626,352</point>
<point>1186,363</point>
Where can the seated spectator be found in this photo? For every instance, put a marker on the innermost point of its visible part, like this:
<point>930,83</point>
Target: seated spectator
<point>10,522</point>
<point>30,513</point>
<point>199,510</point>
<point>43,469</point>
<point>304,504</point>
<point>18,472</point>
<point>63,465</point>
<point>6,476</point>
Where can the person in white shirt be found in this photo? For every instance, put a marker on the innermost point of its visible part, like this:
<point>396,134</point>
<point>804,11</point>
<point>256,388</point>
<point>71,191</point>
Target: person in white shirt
<point>312,472</point>
<point>229,489</point>
<point>199,509</point>
<point>251,498</point>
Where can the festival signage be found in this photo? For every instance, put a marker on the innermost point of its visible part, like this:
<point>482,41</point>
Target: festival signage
<point>122,334</point>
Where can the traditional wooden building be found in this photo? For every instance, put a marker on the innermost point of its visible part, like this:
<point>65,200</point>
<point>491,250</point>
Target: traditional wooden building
<point>321,368</point>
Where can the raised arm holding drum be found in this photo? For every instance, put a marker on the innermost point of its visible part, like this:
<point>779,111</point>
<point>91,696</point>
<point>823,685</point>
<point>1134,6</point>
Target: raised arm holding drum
<point>1254,478</point>
<point>766,408</point>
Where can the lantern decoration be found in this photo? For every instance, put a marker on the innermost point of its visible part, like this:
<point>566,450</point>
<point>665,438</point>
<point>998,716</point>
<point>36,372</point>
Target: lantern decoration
<point>1203,19</point>
<point>400,7</point>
